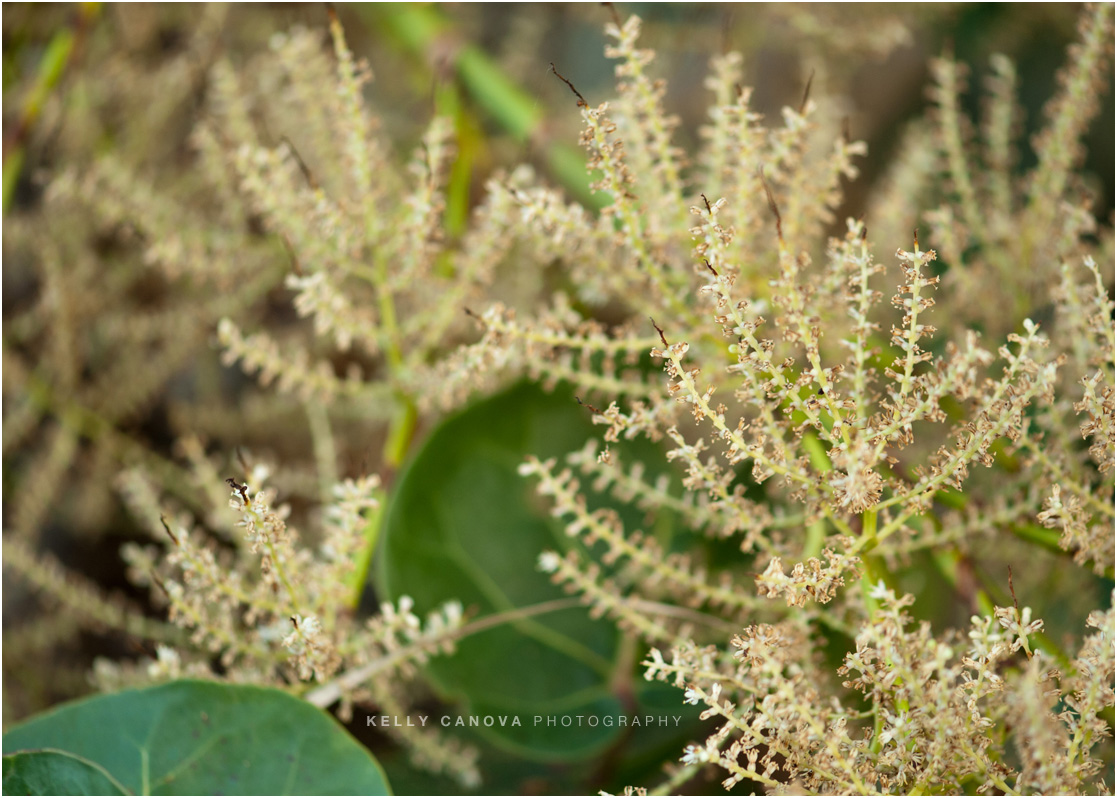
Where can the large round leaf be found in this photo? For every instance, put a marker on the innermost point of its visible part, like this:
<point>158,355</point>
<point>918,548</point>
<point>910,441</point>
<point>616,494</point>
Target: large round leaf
<point>463,524</point>
<point>197,737</point>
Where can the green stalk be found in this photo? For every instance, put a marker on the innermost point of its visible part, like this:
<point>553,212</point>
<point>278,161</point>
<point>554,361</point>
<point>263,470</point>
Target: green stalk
<point>359,577</point>
<point>468,137</point>
<point>403,425</point>
<point>401,433</point>
<point>13,166</point>
<point>868,539</point>
<point>816,534</point>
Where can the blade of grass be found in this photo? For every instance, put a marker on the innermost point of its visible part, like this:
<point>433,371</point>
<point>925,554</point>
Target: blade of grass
<point>57,55</point>
<point>418,29</point>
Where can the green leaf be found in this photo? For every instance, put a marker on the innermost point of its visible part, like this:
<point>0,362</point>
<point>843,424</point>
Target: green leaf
<point>463,524</point>
<point>56,773</point>
<point>198,737</point>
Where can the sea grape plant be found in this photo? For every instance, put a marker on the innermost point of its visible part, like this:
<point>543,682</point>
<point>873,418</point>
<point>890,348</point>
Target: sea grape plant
<point>809,439</point>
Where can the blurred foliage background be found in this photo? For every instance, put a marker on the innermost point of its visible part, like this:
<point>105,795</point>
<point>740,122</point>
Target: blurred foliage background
<point>874,54</point>
<point>83,81</point>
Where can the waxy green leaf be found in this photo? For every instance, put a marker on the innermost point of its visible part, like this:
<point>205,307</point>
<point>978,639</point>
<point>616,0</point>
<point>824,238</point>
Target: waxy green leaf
<point>463,524</point>
<point>190,737</point>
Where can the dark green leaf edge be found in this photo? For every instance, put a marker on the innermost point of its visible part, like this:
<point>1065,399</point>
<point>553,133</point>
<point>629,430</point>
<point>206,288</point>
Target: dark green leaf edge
<point>53,722</point>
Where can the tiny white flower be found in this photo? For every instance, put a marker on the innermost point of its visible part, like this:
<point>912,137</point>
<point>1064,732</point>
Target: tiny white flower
<point>880,591</point>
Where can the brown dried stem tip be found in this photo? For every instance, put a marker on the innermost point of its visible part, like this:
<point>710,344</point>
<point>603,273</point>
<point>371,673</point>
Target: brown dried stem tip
<point>296,267</point>
<point>588,406</point>
<point>616,17</point>
<point>243,462</point>
<point>659,330</point>
<point>159,583</point>
<point>772,206</point>
<point>708,208</point>
<point>241,489</point>
<point>581,100</point>
<point>166,526</point>
<point>307,174</point>
<point>806,94</point>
